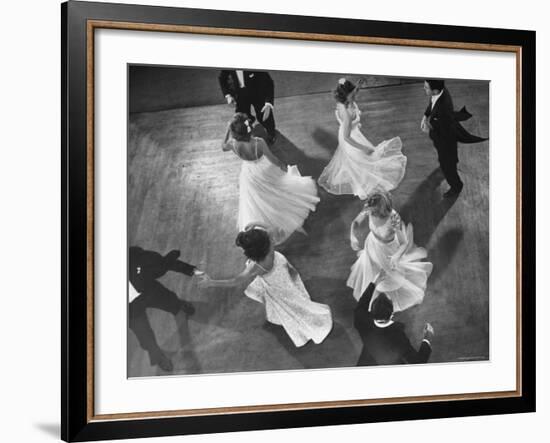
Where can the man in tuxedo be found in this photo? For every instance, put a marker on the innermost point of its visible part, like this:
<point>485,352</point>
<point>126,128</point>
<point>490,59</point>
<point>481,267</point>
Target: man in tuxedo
<point>145,268</point>
<point>246,89</point>
<point>441,122</point>
<point>385,341</point>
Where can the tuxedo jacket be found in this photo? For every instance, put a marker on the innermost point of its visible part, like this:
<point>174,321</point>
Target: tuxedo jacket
<point>258,86</point>
<point>146,266</point>
<point>446,128</point>
<point>442,121</point>
<point>385,346</point>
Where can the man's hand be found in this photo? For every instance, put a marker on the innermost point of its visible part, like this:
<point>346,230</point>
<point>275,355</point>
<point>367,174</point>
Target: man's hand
<point>230,99</point>
<point>424,125</point>
<point>266,111</point>
<point>428,332</point>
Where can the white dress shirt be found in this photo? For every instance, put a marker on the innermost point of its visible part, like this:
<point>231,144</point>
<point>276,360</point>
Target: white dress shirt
<point>132,293</point>
<point>240,76</point>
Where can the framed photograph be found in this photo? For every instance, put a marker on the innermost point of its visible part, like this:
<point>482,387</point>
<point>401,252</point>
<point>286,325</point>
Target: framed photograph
<point>276,221</point>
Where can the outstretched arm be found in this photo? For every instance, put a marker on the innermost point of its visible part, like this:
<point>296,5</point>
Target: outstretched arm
<point>399,229</point>
<point>357,230</point>
<point>227,144</point>
<point>353,94</point>
<point>244,279</point>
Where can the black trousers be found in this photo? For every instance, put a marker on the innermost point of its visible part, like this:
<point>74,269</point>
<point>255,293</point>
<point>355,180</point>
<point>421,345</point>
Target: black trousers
<point>448,161</point>
<point>245,101</point>
<point>158,297</point>
<point>154,295</point>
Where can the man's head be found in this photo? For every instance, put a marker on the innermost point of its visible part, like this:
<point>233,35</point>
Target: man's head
<point>379,203</point>
<point>433,87</point>
<point>382,308</point>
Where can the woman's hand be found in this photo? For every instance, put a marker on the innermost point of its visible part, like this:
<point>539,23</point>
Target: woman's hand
<point>204,281</point>
<point>395,221</point>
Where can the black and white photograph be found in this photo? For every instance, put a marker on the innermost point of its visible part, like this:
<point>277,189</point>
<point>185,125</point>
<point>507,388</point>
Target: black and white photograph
<point>283,220</point>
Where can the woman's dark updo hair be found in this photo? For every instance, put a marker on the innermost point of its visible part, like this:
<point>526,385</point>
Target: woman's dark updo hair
<point>343,90</point>
<point>255,243</point>
<point>240,127</point>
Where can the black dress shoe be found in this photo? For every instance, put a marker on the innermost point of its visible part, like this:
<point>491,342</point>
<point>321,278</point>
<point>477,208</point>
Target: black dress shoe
<point>187,307</point>
<point>453,192</point>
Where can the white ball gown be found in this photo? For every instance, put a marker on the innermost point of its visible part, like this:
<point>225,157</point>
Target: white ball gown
<point>288,304</point>
<point>405,283</point>
<point>353,171</point>
<point>277,199</point>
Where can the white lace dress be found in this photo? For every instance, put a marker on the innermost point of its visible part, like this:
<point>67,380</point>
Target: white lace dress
<point>288,304</point>
<point>406,283</point>
<point>279,200</point>
<point>353,171</point>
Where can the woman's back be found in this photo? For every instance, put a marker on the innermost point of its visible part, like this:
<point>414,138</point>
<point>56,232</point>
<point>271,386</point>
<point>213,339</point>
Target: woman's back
<point>247,150</point>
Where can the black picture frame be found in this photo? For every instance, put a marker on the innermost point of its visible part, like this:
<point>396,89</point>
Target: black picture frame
<point>77,418</point>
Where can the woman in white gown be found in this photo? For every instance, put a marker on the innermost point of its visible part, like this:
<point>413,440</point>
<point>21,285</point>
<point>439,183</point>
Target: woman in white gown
<point>269,192</point>
<point>358,167</point>
<point>274,282</point>
<point>389,246</point>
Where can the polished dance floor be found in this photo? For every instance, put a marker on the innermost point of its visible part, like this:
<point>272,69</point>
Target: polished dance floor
<point>183,194</point>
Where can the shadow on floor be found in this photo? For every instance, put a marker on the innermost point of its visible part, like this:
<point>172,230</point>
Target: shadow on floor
<point>325,139</point>
<point>426,207</point>
<point>313,355</point>
<point>444,251</point>
<point>289,153</point>
<point>328,222</point>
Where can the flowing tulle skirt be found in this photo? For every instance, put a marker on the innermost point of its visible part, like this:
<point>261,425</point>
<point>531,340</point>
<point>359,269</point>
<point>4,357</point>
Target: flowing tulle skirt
<point>280,200</point>
<point>352,171</point>
<point>405,284</point>
<point>288,304</point>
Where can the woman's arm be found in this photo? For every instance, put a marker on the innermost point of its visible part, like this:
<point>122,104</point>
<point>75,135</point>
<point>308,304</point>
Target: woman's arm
<point>346,124</point>
<point>353,94</point>
<point>227,144</point>
<point>271,157</point>
<point>357,230</point>
<point>397,225</point>
<point>244,278</point>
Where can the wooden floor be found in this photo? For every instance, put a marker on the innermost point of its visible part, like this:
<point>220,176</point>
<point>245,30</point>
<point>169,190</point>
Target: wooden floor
<point>183,194</point>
